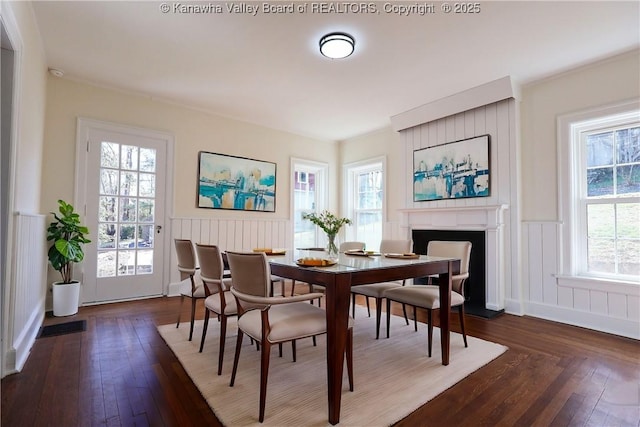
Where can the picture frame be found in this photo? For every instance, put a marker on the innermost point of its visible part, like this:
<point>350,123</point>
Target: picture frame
<point>236,183</point>
<point>454,170</point>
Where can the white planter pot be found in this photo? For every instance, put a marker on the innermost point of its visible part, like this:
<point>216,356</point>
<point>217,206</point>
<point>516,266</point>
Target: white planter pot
<point>66,298</point>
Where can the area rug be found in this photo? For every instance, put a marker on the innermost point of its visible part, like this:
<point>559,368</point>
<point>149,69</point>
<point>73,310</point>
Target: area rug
<point>393,377</point>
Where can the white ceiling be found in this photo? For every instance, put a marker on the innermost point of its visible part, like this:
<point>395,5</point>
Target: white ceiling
<point>266,69</point>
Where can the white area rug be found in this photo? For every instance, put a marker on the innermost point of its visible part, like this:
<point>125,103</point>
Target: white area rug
<point>393,377</point>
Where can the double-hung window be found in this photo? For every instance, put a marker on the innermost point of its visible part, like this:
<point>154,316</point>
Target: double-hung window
<point>603,203</point>
<point>365,201</point>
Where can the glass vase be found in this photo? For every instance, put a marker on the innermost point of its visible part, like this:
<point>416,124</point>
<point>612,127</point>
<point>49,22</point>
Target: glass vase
<point>332,246</point>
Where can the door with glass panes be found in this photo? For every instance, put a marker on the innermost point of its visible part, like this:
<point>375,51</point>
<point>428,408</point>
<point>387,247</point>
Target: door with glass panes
<point>125,209</point>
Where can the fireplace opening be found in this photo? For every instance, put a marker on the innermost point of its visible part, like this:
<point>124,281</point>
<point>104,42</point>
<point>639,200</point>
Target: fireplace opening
<point>475,285</point>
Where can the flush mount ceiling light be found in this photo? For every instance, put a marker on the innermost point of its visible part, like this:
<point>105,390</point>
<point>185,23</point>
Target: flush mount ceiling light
<point>337,45</point>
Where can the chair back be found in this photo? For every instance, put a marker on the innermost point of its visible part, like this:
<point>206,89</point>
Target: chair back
<point>351,246</point>
<point>250,272</point>
<point>450,249</point>
<point>211,263</point>
<point>396,246</point>
<point>186,258</point>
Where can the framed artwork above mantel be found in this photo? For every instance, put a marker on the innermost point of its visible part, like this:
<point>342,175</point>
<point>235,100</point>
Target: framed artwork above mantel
<point>455,170</point>
<point>237,183</point>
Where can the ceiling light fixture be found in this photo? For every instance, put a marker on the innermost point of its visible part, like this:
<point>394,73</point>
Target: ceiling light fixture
<point>337,45</point>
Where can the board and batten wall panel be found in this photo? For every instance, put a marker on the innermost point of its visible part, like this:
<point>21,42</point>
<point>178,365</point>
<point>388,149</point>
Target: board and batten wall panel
<point>499,121</point>
<point>613,308</point>
<point>28,286</point>
<point>228,234</point>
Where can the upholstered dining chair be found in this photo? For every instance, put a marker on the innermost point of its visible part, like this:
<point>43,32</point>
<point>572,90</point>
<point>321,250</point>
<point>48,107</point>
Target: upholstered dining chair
<point>273,320</point>
<point>428,296</point>
<point>221,302</point>
<point>187,266</point>
<point>376,290</point>
<point>344,246</point>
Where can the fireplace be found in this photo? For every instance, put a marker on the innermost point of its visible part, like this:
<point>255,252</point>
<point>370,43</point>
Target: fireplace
<point>475,285</point>
<point>484,227</point>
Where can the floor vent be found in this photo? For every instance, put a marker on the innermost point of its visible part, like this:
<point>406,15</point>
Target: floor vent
<point>63,328</point>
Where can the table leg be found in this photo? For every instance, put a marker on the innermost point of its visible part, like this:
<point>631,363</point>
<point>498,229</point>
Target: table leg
<point>337,307</point>
<point>445,312</point>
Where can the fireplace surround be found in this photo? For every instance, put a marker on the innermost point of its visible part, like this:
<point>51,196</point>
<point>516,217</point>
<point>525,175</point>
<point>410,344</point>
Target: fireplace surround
<point>484,226</point>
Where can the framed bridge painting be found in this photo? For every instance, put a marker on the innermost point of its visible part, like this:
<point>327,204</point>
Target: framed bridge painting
<point>238,183</point>
<point>454,170</point>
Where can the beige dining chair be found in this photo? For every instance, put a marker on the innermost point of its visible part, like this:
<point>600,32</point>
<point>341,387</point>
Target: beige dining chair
<point>187,266</point>
<point>428,296</point>
<point>377,290</point>
<point>221,301</point>
<point>273,320</point>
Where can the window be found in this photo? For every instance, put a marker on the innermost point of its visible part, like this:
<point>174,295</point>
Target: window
<point>604,190</point>
<point>309,195</point>
<point>365,201</point>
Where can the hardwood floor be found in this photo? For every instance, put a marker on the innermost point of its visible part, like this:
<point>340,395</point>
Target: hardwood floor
<point>119,372</point>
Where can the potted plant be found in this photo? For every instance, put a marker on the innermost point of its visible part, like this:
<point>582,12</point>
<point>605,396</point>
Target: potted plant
<point>68,236</point>
<point>331,225</point>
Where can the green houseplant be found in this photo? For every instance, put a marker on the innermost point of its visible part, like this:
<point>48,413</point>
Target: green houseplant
<point>68,236</point>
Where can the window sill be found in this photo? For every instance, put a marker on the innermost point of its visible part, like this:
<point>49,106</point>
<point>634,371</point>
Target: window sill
<point>623,287</point>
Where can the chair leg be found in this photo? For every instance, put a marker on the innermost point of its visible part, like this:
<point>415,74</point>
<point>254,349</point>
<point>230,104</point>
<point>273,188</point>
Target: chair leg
<point>415,319</point>
<point>223,337</point>
<point>389,315</point>
<point>236,357</point>
<point>293,349</point>
<point>464,334</point>
<point>368,308</point>
<point>293,287</point>
<point>404,311</point>
<point>378,314</point>
<point>180,311</point>
<point>204,328</point>
<point>430,329</point>
<point>349,355</point>
<point>279,349</point>
<point>353,305</point>
<point>193,317</point>
<point>264,373</point>
<point>314,341</point>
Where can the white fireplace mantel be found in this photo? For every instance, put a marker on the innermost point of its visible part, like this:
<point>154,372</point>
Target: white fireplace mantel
<point>486,218</point>
<point>465,217</point>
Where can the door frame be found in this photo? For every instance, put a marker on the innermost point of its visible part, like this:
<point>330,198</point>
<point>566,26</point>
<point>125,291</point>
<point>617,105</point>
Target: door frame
<point>84,125</point>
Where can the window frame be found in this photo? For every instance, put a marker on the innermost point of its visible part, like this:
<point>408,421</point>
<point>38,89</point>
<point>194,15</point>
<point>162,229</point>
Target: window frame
<point>572,204</point>
<point>350,173</point>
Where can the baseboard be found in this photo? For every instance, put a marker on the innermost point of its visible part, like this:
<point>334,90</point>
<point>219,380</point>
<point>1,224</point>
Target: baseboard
<point>23,343</point>
<point>174,289</point>
<point>611,325</point>
<point>513,306</point>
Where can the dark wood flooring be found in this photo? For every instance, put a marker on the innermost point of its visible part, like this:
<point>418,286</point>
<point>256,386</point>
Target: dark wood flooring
<point>119,372</point>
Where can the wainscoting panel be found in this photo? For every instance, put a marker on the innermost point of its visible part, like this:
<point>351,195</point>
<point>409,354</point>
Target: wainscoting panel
<point>27,287</point>
<point>608,307</point>
<point>229,234</point>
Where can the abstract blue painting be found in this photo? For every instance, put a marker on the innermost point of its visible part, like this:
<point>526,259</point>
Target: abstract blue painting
<point>453,170</point>
<point>230,182</point>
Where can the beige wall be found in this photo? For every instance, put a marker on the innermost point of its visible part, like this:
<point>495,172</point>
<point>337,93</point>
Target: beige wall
<point>23,285</point>
<point>193,131</point>
<point>602,83</point>
<point>385,142</point>
<point>594,85</point>
<point>32,79</point>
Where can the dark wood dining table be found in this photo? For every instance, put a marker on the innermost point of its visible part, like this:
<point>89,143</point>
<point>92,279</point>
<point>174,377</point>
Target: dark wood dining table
<point>351,270</point>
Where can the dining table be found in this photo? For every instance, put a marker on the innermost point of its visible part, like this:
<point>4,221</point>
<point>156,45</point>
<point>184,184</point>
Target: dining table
<point>349,270</point>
